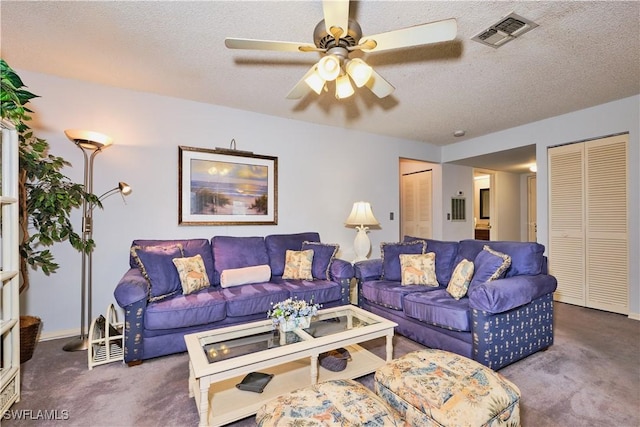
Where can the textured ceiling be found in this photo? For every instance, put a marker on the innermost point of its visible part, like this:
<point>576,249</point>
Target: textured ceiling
<point>582,54</point>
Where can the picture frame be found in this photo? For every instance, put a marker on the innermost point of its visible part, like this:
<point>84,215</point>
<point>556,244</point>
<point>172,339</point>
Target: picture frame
<point>484,203</point>
<point>226,187</point>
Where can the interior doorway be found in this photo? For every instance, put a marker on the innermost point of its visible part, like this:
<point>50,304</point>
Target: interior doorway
<point>484,212</point>
<point>416,199</point>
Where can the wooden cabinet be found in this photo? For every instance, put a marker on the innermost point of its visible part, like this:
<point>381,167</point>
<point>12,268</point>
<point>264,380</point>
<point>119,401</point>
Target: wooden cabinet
<point>9,304</point>
<point>482,234</point>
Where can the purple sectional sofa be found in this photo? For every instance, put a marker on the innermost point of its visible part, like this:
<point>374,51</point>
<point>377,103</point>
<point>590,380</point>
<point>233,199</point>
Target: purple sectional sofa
<point>497,323</point>
<point>158,314</point>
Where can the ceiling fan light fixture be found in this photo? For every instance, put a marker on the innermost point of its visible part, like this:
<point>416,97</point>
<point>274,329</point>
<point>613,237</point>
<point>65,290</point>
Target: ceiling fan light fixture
<point>329,67</point>
<point>359,71</point>
<point>343,87</point>
<point>315,82</point>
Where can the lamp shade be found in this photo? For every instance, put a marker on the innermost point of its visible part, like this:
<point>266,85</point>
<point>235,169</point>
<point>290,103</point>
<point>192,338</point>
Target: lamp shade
<point>329,67</point>
<point>88,139</point>
<point>343,87</point>
<point>124,188</point>
<point>359,71</point>
<point>361,214</point>
<point>315,82</point>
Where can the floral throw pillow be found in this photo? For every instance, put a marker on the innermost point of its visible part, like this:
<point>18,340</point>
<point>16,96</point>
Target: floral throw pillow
<point>297,265</point>
<point>193,275</point>
<point>460,279</point>
<point>419,269</point>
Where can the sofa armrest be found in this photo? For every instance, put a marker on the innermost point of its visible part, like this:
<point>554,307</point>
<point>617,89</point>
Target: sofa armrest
<point>370,269</point>
<point>131,288</point>
<point>131,294</point>
<point>341,270</point>
<point>502,295</point>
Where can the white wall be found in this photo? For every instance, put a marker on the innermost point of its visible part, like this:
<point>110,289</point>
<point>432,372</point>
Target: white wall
<point>507,207</point>
<point>455,180</point>
<point>322,171</point>
<point>607,119</point>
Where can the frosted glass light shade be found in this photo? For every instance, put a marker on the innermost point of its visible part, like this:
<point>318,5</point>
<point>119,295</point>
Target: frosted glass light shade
<point>329,67</point>
<point>315,82</point>
<point>359,71</point>
<point>343,87</point>
<point>88,139</point>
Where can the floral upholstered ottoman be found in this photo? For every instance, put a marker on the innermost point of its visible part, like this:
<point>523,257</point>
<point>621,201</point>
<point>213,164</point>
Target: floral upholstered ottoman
<point>439,388</point>
<point>332,403</point>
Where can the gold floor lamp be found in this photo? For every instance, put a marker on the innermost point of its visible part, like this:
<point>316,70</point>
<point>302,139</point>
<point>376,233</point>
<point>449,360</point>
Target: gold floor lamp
<point>91,143</point>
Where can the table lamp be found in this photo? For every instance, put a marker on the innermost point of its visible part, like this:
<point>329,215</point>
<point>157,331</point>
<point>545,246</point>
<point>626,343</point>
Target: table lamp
<point>361,216</point>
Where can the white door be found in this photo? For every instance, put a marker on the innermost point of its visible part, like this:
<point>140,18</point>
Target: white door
<point>415,198</point>
<point>607,241</point>
<point>588,223</point>
<point>566,222</point>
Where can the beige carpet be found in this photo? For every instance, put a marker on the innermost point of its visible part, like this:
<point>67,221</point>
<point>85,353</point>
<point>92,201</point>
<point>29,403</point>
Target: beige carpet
<point>589,377</point>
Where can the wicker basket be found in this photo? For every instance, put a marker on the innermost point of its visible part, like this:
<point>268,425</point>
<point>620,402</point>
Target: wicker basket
<point>29,329</point>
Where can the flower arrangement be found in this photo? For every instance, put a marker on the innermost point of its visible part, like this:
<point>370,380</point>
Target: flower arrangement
<point>289,309</point>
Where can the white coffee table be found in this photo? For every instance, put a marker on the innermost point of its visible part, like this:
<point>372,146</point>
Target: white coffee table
<point>219,359</point>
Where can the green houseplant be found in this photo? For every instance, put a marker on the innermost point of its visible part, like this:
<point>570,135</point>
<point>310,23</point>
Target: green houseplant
<point>46,196</point>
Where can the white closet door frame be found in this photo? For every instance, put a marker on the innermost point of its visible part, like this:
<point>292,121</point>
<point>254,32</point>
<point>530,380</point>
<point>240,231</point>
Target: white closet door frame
<point>588,223</point>
<point>416,201</point>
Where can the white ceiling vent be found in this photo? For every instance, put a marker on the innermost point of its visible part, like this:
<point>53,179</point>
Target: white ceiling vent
<point>505,30</point>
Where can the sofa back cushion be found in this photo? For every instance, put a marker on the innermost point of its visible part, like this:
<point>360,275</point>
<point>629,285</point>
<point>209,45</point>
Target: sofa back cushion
<point>190,248</point>
<point>323,256</point>
<point>527,258</point>
<point>238,252</point>
<point>445,256</point>
<point>390,254</point>
<point>278,244</point>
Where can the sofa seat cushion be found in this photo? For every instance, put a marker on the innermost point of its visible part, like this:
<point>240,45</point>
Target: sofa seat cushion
<point>254,298</point>
<point>390,294</point>
<point>440,309</point>
<point>182,311</point>
<point>317,291</point>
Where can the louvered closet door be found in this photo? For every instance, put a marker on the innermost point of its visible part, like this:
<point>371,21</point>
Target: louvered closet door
<point>588,223</point>
<point>416,202</point>
<point>566,222</point>
<point>607,245</point>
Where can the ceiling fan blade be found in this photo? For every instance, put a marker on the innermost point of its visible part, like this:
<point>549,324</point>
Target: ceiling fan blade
<point>232,43</point>
<point>301,88</point>
<point>336,17</point>
<point>432,32</point>
<point>379,86</point>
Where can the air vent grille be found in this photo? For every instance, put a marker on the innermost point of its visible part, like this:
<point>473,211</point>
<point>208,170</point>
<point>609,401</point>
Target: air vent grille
<point>505,30</point>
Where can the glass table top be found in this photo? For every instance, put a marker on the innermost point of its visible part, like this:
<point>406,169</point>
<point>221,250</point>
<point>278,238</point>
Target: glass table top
<point>260,336</point>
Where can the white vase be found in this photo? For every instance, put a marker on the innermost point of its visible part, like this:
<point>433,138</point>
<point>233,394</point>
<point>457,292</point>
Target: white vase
<point>294,323</point>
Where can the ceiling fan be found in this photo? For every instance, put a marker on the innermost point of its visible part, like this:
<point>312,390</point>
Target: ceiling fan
<point>336,36</point>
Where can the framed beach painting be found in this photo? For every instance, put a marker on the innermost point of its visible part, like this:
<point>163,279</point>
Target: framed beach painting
<point>226,187</point>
